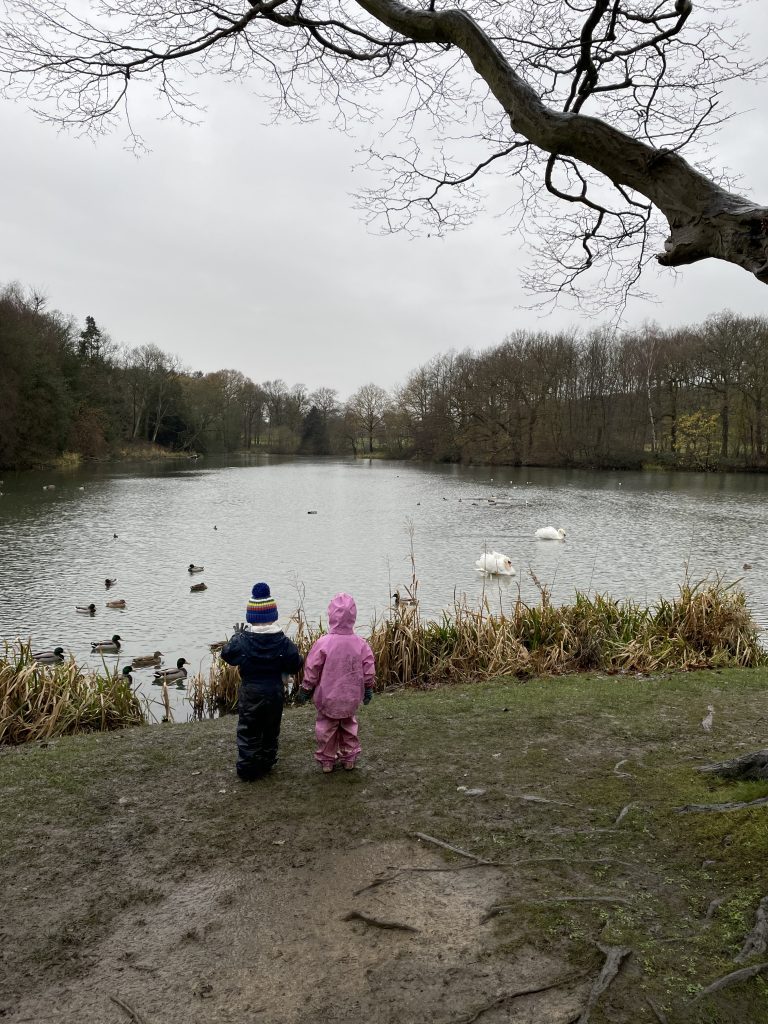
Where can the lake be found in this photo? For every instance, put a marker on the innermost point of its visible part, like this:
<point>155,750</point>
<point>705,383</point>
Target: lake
<point>247,519</point>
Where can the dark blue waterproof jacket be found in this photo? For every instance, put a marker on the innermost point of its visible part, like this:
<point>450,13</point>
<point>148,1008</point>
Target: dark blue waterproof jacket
<point>262,658</point>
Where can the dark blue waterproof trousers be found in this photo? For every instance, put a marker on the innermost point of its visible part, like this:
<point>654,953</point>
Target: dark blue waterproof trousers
<point>258,731</point>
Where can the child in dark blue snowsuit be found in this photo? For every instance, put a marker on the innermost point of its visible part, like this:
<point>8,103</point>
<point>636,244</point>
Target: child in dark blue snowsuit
<point>263,654</point>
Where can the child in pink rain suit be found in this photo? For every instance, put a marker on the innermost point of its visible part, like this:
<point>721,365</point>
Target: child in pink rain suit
<point>339,674</point>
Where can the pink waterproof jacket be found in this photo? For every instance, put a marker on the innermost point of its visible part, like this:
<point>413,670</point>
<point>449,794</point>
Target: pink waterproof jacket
<point>340,664</point>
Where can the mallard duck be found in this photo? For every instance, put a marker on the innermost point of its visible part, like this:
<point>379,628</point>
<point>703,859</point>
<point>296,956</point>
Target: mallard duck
<point>49,657</point>
<point>550,533</point>
<point>196,587</point>
<point>171,675</point>
<point>147,659</point>
<point>195,568</point>
<point>86,609</point>
<point>107,646</point>
<point>127,674</point>
<point>494,563</point>
<point>109,583</point>
<point>399,600</point>
<point>117,603</point>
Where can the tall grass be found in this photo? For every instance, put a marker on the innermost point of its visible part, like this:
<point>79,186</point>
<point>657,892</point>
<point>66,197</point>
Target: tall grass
<point>707,625</point>
<point>39,702</point>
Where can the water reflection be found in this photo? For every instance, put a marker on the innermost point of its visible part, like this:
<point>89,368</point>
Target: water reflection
<point>628,534</point>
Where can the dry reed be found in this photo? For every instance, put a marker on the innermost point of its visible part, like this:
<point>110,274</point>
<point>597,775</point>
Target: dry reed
<point>39,702</point>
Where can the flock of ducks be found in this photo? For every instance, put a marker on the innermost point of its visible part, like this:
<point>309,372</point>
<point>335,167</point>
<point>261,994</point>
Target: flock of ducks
<point>162,676</point>
<point>494,563</point>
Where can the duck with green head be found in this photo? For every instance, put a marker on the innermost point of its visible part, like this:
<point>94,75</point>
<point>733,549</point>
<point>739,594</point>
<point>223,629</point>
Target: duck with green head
<point>107,646</point>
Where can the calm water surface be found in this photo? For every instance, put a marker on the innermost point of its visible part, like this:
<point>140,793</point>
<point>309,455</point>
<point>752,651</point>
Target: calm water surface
<point>628,534</point>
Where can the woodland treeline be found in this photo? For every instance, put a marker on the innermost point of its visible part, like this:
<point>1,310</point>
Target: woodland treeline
<point>691,397</point>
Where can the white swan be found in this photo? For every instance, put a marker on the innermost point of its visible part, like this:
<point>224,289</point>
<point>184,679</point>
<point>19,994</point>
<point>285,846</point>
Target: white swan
<point>549,533</point>
<point>494,564</point>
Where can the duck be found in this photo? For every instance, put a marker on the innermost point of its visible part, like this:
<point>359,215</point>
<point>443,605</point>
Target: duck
<point>196,587</point>
<point>494,563</point>
<point>117,603</point>
<point>86,609</point>
<point>126,674</point>
<point>171,675</point>
<point>147,659</point>
<point>49,657</point>
<point>107,646</point>
<point>405,601</point>
<point>747,565</point>
<point>549,533</point>
<point>195,568</point>
<point>109,583</point>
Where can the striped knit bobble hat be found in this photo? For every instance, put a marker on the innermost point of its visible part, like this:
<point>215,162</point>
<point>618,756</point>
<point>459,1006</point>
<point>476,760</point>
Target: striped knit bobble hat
<point>261,606</point>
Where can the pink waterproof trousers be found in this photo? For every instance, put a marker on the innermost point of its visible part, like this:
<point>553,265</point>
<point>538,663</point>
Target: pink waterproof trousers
<point>336,738</point>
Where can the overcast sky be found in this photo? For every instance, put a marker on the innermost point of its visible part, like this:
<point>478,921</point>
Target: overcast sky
<point>236,245</point>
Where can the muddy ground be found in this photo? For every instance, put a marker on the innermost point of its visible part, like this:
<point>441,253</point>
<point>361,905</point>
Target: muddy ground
<point>140,881</point>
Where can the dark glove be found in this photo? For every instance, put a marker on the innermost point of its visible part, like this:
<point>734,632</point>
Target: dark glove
<point>303,695</point>
<point>368,696</point>
<point>239,627</point>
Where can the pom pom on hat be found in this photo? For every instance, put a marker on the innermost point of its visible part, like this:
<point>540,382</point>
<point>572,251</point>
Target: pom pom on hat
<point>261,606</point>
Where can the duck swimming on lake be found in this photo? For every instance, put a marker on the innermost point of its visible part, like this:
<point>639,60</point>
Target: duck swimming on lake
<point>171,675</point>
<point>196,587</point>
<point>147,659</point>
<point>549,533</point>
<point>107,646</point>
<point>109,583</point>
<point>49,657</point>
<point>404,601</point>
<point>126,673</point>
<point>86,609</point>
<point>195,568</point>
<point>494,563</point>
<point>118,603</point>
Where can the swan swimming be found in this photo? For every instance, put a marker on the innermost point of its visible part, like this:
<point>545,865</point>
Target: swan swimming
<point>494,563</point>
<point>549,533</point>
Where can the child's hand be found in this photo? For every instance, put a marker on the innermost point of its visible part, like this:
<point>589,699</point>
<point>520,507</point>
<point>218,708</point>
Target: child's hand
<point>368,696</point>
<point>239,627</point>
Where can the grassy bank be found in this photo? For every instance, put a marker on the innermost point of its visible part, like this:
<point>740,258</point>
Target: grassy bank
<point>141,870</point>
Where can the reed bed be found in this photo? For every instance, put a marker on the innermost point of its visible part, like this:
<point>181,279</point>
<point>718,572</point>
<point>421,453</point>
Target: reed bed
<point>40,702</point>
<point>707,625</point>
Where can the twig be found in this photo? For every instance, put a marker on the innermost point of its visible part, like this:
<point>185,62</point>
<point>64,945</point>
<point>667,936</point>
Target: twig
<point>732,979</point>
<point>453,849</point>
<point>355,915</point>
<point>508,996</point>
<point>133,1014</point>
<point>529,798</point>
<point>621,775</point>
<point>614,958</point>
<point>731,806</point>
<point>757,940</point>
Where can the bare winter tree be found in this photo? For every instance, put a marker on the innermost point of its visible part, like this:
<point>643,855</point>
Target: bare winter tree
<point>587,104</point>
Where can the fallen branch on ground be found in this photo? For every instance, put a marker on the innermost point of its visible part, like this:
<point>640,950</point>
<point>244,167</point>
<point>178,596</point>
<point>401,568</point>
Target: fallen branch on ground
<point>621,775</point>
<point>730,806</point>
<point>614,958</point>
<point>732,979</point>
<point>355,915</point>
<point>757,940</point>
<point>749,766</point>
<point>453,849</point>
<point>503,907</point>
<point>623,813</point>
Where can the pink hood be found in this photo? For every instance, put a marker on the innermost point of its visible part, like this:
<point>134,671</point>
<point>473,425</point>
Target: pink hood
<point>342,612</point>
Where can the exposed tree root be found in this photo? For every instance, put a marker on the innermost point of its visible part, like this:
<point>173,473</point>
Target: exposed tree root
<point>503,907</point>
<point>614,958</point>
<point>355,915</point>
<point>757,941</point>
<point>507,997</point>
<point>730,806</point>
<point>623,813</point>
<point>734,978</point>
<point>749,766</point>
